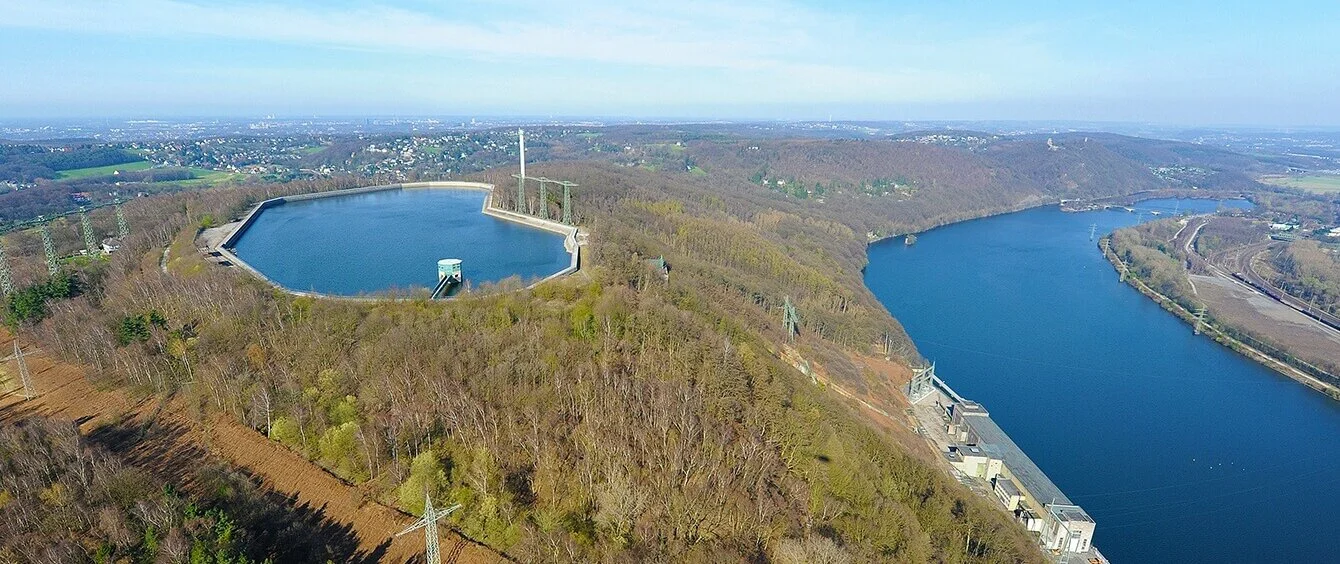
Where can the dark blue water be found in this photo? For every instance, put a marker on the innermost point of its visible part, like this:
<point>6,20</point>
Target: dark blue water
<point>370,243</point>
<point>1180,449</point>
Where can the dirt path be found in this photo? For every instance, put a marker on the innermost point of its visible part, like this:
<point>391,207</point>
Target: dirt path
<point>180,444</point>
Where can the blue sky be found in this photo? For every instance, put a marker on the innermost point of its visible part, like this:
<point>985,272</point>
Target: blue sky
<point>1193,63</point>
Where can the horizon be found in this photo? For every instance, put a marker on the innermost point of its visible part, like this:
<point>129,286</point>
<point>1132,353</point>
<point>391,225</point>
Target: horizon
<point>1196,65</point>
<point>597,120</point>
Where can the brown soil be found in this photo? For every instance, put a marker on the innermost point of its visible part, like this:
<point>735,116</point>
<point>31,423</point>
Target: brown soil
<point>879,397</point>
<point>885,380</point>
<point>158,436</point>
<point>1243,307</point>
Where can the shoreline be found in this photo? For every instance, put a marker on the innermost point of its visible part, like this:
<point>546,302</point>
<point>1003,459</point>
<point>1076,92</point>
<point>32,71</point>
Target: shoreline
<point>571,241</point>
<point>1134,198</point>
<point>1222,338</point>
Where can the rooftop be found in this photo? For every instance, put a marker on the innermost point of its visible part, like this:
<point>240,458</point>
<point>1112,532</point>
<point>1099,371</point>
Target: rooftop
<point>970,408</point>
<point>1027,474</point>
<point>1072,514</point>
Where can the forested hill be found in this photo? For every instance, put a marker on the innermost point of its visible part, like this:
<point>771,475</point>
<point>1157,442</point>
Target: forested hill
<point>615,415</point>
<point>919,180</point>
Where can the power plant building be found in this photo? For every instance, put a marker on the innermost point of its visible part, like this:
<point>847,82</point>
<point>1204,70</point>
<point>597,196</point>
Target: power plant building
<point>980,450</point>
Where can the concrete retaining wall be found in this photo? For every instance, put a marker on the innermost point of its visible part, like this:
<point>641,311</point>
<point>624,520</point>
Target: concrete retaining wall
<point>569,232</point>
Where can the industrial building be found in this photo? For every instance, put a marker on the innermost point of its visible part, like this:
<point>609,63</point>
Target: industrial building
<point>980,451</point>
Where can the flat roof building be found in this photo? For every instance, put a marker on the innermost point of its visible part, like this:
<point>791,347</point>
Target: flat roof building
<point>979,448</point>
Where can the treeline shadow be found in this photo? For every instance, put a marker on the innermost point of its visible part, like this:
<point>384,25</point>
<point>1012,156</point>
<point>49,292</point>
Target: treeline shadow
<point>275,525</point>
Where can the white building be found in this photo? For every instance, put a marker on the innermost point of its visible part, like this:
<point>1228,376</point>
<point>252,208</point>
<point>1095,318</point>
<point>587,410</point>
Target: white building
<point>1067,528</point>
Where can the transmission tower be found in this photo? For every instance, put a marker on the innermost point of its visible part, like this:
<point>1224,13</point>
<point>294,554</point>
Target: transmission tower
<point>88,232</point>
<point>24,376</point>
<point>122,228</point>
<point>1093,230</point>
<point>6,282</point>
<point>1200,320</point>
<point>433,552</point>
<point>921,384</point>
<point>544,198</point>
<point>52,266</point>
<point>790,319</point>
<point>567,200</point>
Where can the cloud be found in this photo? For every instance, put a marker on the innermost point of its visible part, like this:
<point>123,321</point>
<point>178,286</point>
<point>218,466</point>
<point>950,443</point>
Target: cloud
<point>585,32</point>
<point>590,54</point>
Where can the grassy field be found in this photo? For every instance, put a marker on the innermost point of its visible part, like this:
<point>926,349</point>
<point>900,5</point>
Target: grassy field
<point>1319,183</point>
<point>206,177</point>
<point>103,170</point>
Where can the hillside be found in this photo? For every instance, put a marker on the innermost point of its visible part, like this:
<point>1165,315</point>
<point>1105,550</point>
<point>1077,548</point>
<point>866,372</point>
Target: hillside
<point>614,415</point>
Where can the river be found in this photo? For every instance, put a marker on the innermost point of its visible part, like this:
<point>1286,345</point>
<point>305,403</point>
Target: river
<point>379,241</point>
<point>1180,449</point>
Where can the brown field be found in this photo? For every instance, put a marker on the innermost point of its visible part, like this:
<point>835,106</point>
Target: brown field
<point>1240,306</point>
<point>160,437</point>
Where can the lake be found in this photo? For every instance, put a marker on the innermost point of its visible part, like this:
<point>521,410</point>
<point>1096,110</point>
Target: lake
<point>379,241</point>
<point>1180,449</point>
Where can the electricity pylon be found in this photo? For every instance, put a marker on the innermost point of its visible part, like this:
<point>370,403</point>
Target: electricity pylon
<point>567,201</point>
<point>24,376</point>
<point>122,228</point>
<point>52,266</point>
<point>790,319</point>
<point>1093,230</point>
<point>1200,320</point>
<point>433,552</point>
<point>921,384</point>
<point>6,281</point>
<point>544,198</point>
<point>88,232</point>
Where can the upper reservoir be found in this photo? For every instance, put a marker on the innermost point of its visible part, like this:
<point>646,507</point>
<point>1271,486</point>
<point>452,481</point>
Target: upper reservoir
<point>373,242</point>
<point>1180,449</point>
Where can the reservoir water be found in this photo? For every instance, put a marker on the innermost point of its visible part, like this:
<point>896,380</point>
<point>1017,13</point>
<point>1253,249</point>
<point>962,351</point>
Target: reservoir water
<point>379,241</point>
<point>1181,450</point>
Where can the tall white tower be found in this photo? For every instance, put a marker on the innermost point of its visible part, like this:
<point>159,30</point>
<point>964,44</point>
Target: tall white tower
<point>521,179</point>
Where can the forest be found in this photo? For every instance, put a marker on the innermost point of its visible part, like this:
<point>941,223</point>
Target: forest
<point>67,498</point>
<point>1311,272</point>
<point>1147,253</point>
<point>27,163</point>
<point>613,415</point>
<point>1302,268</point>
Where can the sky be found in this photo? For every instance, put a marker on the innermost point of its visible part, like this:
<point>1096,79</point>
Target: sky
<point>1168,62</point>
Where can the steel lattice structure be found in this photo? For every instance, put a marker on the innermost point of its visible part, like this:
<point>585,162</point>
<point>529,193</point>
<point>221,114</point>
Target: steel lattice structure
<point>122,228</point>
<point>6,281</point>
<point>790,319</point>
<point>87,226</point>
<point>433,551</point>
<point>52,266</point>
